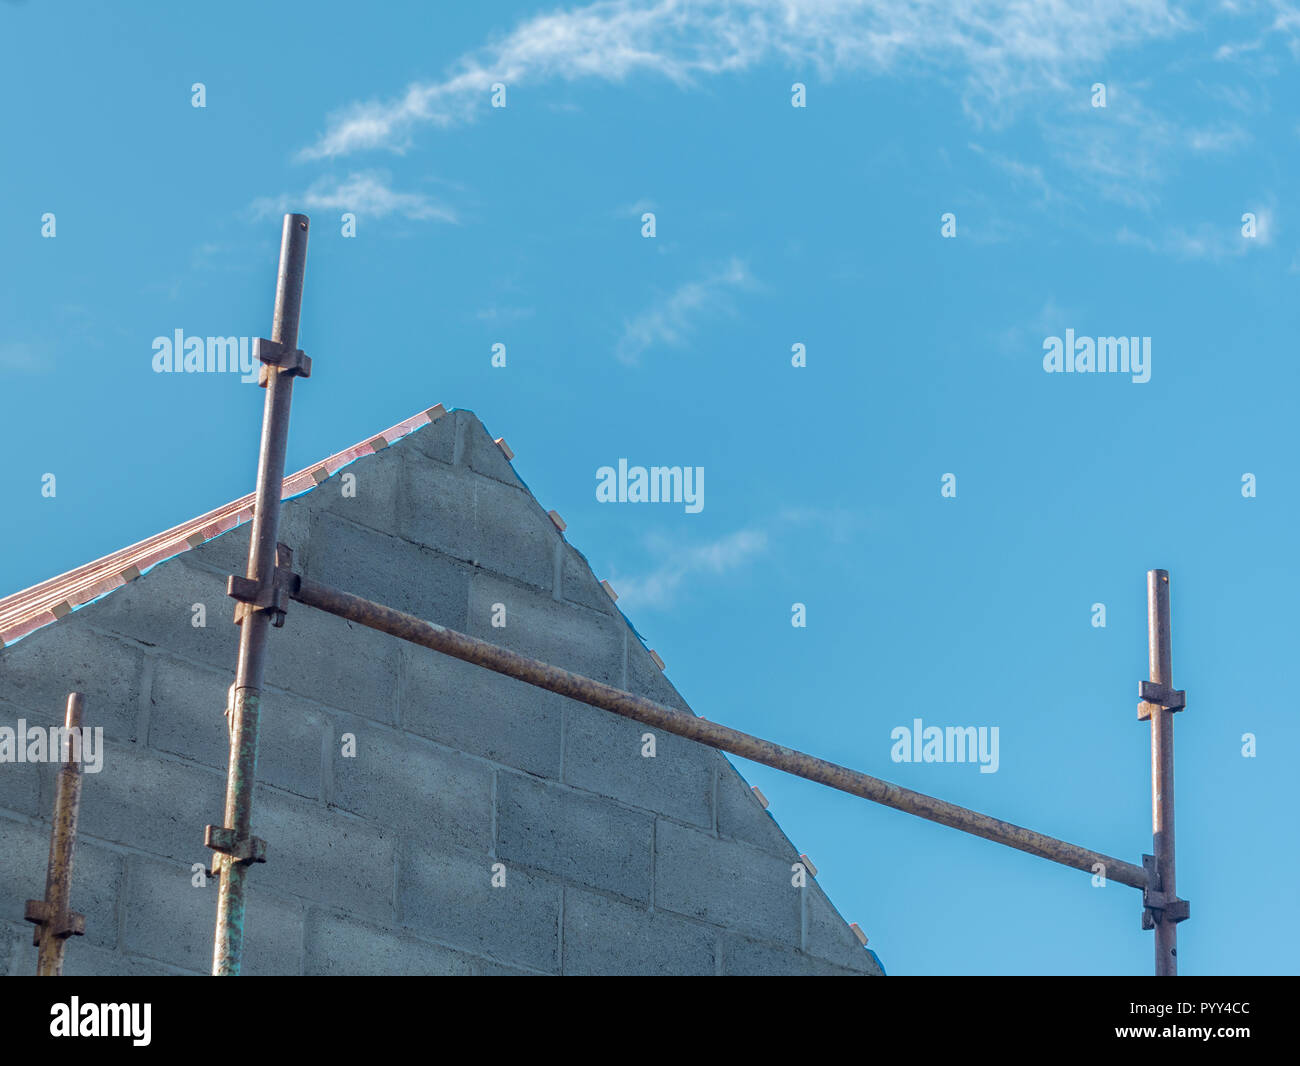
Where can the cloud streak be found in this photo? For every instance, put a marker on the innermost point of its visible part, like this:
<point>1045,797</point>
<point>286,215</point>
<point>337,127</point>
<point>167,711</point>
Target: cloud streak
<point>1206,241</point>
<point>998,50</point>
<point>367,193</point>
<point>18,358</point>
<point>1125,152</point>
<point>673,321</point>
<point>683,566</point>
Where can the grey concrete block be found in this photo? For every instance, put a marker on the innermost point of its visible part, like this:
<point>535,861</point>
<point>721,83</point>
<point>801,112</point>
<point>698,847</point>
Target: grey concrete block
<point>481,712</point>
<point>742,817</point>
<point>171,920</point>
<point>561,634</point>
<point>377,487</point>
<point>603,753</point>
<point>86,960</point>
<point>389,570</point>
<point>828,936</point>
<point>604,936</point>
<point>482,453</point>
<point>725,883</point>
<point>574,836</point>
<point>450,898</point>
<point>434,798</point>
<point>435,507</point>
<point>21,782</point>
<point>186,719</point>
<point>477,520</point>
<point>645,679</point>
<point>580,585</point>
<point>514,536</point>
<point>39,671</point>
<point>16,949</point>
<point>96,875</point>
<point>325,856</point>
<point>341,946</point>
<point>437,440</point>
<point>746,957</point>
<point>156,609</point>
<point>157,805</point>
<point>335,662</point>
<point>488,968</point>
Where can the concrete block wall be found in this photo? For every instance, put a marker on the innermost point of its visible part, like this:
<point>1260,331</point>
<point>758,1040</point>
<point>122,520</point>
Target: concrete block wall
<point>396,785</point>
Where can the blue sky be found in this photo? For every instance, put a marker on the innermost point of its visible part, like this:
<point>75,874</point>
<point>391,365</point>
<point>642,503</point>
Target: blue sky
<point>775,225</point>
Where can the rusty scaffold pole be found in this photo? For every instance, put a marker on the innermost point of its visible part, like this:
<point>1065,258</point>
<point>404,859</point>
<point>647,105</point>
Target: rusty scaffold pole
<point>1162,910</point>
<point>260,603</point>
<point>586,690</point>
<point>53,920</point>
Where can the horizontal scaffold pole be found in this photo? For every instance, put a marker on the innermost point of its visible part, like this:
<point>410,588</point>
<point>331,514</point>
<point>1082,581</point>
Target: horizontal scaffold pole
<point>586,690</point>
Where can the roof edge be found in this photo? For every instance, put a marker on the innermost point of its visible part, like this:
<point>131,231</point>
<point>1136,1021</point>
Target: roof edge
<point>32,608</point>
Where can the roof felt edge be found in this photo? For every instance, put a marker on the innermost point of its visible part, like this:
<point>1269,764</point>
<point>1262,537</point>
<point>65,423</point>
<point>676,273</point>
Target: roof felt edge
<point>32,608</point>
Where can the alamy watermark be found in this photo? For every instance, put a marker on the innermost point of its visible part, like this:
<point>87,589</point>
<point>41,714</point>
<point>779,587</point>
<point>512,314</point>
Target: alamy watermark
<point>954,743</point>
<point>53,744</point>
<point>1098,355</point>
<point>179,354</point>
<point>74,1018</point>
<point>655,484</point>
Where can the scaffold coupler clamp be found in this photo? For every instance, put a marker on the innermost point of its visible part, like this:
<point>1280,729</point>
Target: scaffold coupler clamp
<point>1152,696</point>
<point>62,925</point>
<point>1156,905</point>
<point>221,841</point>
<point>292,361</point>
<point>273,598</point>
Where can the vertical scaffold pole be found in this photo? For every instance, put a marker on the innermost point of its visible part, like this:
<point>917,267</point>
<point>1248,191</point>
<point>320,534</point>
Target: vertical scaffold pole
<point>1162,909</point>
<point>261,603</point>
<point>53,920</point>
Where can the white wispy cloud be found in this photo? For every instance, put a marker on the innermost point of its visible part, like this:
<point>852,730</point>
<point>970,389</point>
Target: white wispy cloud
<point>19,358</point>
<point>637,209</point>
<point>1238,97</point>
<point>1126,151</point>
<point>672,321</point>
<point>1221,138</point>
<point>504,314</point>
<point>367,193</point>
<point>1021,174</point>
<point>1206,240</point>
<point>679,566</point>
<point>1285,24</point>
<point>838,523</point>
<point>1026,336</point>
<point>996,51</point>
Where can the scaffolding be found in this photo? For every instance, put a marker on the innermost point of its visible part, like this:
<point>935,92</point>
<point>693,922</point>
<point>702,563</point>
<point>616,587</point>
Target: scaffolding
<point>52,916</point>
<point>270,583</point>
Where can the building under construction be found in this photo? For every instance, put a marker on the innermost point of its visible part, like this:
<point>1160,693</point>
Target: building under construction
<point>395,785</point>
<point>537,798</point>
